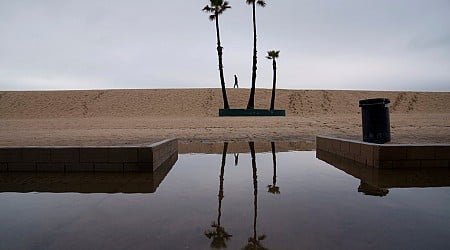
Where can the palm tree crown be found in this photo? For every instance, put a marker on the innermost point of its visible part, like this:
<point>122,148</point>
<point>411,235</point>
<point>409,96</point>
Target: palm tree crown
<point>261,3</point>
<point>217,8</point>
<point>273,54</point>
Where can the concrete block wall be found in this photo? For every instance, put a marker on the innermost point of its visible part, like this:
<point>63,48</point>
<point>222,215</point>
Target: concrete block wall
<point>387,155</point>
<point>87,159</point>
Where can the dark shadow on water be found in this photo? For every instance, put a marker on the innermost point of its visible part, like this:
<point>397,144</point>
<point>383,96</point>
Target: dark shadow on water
<point>377,182</point>
<point>143,182</point>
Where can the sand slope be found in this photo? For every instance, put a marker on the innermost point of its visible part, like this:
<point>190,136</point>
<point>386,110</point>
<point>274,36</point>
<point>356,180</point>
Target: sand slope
<point>203,102</point>
<point>117,117</point>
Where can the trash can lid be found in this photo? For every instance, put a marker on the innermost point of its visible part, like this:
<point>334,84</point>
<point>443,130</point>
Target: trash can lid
<point>374,101</point>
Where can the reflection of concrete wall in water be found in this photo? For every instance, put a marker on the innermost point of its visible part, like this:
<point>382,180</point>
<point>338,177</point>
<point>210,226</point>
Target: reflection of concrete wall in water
<point>87,182</point>
<point>87,159</point>
<point>388,178</point>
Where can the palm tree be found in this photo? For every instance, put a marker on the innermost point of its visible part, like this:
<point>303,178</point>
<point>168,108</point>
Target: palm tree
<point>251,99</point>
<point>274,189</point>
<point>216,8</point>
<point>273,55</point>
<point>217,233</point>
<point>255,241</point>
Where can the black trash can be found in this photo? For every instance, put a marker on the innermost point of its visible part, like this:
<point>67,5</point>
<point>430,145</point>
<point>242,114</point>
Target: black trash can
<point>375,120</point>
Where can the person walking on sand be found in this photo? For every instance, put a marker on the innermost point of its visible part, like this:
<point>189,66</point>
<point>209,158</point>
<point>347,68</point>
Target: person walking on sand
<point>236,85</point>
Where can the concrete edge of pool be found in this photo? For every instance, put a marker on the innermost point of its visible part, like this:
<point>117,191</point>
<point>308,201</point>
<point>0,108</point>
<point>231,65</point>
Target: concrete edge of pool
<point>142,158</point>
<point>387,155</point>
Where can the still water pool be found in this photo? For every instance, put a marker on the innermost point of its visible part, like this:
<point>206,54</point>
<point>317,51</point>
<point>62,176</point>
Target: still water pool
<point>286,200</point>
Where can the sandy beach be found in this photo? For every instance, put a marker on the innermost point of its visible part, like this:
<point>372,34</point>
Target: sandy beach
<point>119,117</point>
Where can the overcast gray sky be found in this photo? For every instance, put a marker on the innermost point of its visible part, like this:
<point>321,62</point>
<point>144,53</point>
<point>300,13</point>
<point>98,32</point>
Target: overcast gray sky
<point>328,44</point>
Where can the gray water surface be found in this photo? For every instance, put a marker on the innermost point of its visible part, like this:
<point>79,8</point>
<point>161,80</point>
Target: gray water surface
<point>203,203</point>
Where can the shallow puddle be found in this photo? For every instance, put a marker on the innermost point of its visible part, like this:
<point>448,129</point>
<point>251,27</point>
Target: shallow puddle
<point>234,201</point>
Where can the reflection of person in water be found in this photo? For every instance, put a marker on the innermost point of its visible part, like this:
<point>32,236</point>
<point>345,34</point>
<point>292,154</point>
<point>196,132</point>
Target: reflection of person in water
<point>236,85</point>
<point>236,159</point>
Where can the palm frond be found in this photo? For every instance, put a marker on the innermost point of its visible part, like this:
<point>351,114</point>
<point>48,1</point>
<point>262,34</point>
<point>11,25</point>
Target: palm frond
<point>261,3</point>
<point>212,17</point>
<point>207,9</point>
<point>271,54</point>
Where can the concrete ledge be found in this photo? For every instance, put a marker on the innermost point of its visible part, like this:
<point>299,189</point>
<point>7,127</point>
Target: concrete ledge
<point>145,158</point>
<point>387,155</point>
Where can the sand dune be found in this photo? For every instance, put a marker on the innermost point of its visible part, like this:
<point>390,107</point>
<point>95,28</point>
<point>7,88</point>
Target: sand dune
<point>203,102</point>
<point>112,117</point>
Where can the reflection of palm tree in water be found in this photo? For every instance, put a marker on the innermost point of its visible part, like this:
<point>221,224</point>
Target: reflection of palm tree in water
<point>255,241</point>
<point>273,188</point>
<point>217,233</point>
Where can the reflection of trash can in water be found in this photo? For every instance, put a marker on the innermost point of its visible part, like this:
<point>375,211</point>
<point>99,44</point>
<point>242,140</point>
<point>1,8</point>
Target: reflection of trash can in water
<point>375,120</point>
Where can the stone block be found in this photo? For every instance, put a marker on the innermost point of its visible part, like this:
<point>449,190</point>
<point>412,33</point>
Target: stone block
<point>138,167</point>
<point>108,167</point>
<point>36,155</point>
<point>434,163</point>
<point>390,153</point>
<point>376,153</point>
<point>145,155</point>
<point>367,152</point>
<point>120,155</point>
<point>376,163</point>
<point>355,148</point>
<point>442,152</point>
<point>50,167</point>
<point>335,146</point>
<point>22,167</point>
<point>157,154</point>
<point>10,155</point>
<point>345,147</point>
<point>385,164</point>
<point>360,159</point>
<point>79,167</point>
<point>88,155</point>
<point>322,143</point>
<point>3,167</point>
<point>420,153</point>
<point>406,164</point>
<point>68,155</point>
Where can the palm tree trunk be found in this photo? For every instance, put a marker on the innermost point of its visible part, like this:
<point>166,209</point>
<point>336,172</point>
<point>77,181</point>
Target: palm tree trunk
<point>222,79</point>
<point>272,100</point>
<point>251,100</point>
